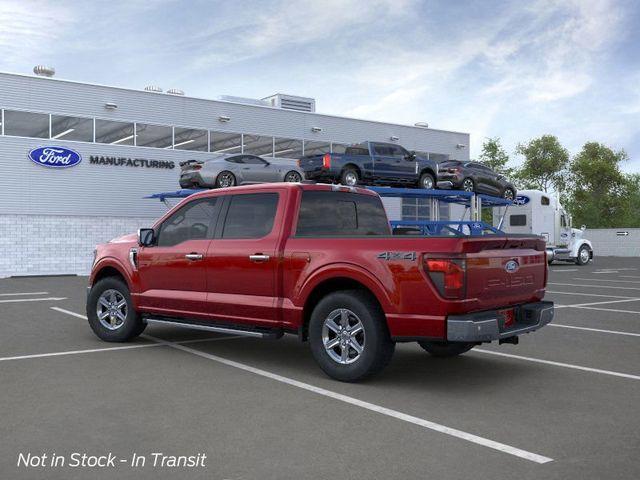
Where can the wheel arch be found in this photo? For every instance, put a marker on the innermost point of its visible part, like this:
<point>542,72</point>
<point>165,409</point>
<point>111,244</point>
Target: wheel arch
<point>579,244</point>
<point>351,165</point>
<point>109,268</point>
<point>324,284</point>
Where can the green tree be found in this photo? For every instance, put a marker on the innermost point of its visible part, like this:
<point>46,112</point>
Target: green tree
<point>545,164</point>
<point>600,195</point>
<point>495,157</point>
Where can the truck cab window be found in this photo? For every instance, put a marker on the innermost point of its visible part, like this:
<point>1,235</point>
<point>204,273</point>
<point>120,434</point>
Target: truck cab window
<point>331,214</point>
<point>194,221</point>
<point>544,200</point>
<point>250,216</point>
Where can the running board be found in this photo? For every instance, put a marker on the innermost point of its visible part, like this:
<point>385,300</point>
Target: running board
<point>214,328</point>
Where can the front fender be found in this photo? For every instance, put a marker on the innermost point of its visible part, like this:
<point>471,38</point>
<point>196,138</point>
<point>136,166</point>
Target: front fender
<point>347,271</point>
<point>578,244</point>
<point>116,264</point>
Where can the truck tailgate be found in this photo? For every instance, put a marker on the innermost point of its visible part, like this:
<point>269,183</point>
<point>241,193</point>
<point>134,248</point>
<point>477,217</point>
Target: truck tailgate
<point>505,270</point>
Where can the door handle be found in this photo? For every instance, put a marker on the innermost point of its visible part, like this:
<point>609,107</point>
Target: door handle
<point>259,257</point>
<point>193,256</point>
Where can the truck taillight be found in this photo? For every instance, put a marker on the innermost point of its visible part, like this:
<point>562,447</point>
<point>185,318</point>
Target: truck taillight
<point>447,275</point>
<point>326,160</point>
<point>196,167</point>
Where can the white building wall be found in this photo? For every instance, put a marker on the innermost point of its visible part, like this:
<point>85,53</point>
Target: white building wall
<point>612,242</point>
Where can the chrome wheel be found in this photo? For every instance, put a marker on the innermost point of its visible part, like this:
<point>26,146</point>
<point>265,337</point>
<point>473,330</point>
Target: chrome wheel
<point>112,309</point>
<point>293,177</point>
<point>467,185</point>
<point>508,194</point>
<point>226,179</point>
<point>427,182</point>
<point>584,255</point>
<point>343,336</point>
<point>350,179</point>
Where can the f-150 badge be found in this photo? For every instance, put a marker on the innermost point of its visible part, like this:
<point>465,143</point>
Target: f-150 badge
<point>397,255</point>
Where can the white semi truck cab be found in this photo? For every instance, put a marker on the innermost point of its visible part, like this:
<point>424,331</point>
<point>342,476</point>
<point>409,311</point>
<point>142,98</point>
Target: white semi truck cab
<point>539,213</point>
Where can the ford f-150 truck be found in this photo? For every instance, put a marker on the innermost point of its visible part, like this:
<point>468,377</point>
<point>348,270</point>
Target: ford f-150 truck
<point>372,163</point>
<point>318,261</point>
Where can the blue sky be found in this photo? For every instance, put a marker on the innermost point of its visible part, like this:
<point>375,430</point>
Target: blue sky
<point>491,68</point>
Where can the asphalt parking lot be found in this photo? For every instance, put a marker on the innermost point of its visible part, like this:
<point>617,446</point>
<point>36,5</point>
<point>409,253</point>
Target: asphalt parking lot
<point>562,404</point>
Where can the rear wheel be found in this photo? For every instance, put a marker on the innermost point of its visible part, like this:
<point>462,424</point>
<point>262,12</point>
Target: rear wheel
<point>348,336</point>
<point>349,177</point>
<point>293,177</point>
<point>225,179</point>
<point>446,349</point>
<point>427,181</point>
<point>584,255</point>
<point>110,311</point>
<point>468,185</point>
<point>508,194</point>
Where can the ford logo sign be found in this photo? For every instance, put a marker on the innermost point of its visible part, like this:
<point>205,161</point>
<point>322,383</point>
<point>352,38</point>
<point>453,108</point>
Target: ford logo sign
<point>511,266</point>
<point>521,200</point>
<point>55,157</point>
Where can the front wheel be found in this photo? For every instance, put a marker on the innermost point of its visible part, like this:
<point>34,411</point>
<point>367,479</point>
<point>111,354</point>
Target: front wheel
<point>293,177</point>
<point>446,349</point>
<point>584,255</point>
<point>427,181</point>
<point>110,311</point>
<point>348,336</point>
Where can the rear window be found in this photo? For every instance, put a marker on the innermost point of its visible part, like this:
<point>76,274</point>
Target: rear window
<point>331,214</point>
<point>357,151</point>
<point>518,220</point>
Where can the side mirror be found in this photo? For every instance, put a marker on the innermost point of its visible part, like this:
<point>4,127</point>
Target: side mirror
<point>583,228</point>
<point>146,237</point>
<point>411,156</point>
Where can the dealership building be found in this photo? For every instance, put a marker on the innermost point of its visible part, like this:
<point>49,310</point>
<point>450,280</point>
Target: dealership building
<point>127,144</point>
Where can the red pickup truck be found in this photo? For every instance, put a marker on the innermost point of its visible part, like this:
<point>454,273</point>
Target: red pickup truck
<point>318,261</point>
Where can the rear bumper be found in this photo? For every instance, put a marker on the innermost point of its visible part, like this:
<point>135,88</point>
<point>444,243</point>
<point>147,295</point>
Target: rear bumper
<point>319,174</point>
<point>192,179</point>
<point>488,326</point>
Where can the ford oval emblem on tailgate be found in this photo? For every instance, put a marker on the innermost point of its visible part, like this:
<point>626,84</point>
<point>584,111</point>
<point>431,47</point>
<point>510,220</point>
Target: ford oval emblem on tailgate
<point>56,157</point>
<point>511,266</point>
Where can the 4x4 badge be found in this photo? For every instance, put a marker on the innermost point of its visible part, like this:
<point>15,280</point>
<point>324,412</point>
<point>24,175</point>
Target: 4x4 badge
<point>397,255</point>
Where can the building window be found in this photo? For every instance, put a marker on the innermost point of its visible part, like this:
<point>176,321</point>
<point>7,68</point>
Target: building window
<point>190,139</point>
<point>316,148</point>
<point>287,148</point>
<point>26,124</point>
<point>157,136</point>
<point>225,142</point>
<point>115,133</point>
<point>258,145</point>
<point>71,128</point>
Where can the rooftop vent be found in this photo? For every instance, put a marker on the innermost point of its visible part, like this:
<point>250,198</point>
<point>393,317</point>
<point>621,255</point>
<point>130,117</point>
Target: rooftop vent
<point>175,91</point>
<point>422,124</point>
<point>291,102</point>
<point>153,88</point>
<point>44,71</point>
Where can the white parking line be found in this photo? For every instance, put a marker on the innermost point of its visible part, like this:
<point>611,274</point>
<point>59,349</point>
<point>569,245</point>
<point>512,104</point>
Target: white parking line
<point>559,364</point>
<point>365,405</point>
<point>611,310</point>
<point>598,303</point>
<point>616,332</point>
<point>559,270</point>
<point>588,294</point>
<point>629,276</point>
<point>25,293</point>
<point>594,286</point>
<point>606,280</point>
<point>534,457</point>
<point>48,299</point>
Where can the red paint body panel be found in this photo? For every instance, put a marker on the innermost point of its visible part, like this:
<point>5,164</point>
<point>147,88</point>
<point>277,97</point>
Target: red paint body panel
<point>227,286</point>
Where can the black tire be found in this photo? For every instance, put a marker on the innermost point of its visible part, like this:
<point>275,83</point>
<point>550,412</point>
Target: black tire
<point>347,176</point>
<point>132,325</point>
<point>378,347</point>
<point>427,181</point>
<point>293,177</point>
<point>446,349</point>
<point>221,179</point>
<point>468,185</point>
<point>580,259</point>
<point>509,194</point>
